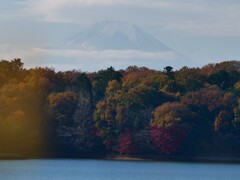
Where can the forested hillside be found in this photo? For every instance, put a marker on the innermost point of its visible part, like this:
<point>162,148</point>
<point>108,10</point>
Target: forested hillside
<point>137,111</point>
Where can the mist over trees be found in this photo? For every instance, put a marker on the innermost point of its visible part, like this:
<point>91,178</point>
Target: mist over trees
<point>136,111</point>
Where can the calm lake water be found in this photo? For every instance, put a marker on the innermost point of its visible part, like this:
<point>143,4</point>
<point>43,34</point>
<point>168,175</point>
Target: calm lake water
<point>111,170</point>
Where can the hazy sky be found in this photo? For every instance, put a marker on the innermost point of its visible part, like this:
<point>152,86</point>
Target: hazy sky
<point>203,30</point>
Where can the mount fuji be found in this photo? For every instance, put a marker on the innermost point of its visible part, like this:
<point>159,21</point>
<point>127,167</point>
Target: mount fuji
<point>112,43</point>
<point>112,35</point>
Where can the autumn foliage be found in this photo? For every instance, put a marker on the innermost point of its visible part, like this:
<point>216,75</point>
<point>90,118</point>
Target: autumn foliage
<point>136,111</point>
<point>168,140</point>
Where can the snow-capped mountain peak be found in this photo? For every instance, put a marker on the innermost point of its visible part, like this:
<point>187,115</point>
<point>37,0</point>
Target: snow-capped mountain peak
<point>112,28</point>
<point>114,35</point>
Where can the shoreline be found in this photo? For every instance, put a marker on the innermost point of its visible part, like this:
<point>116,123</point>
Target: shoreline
<point>182,159</point>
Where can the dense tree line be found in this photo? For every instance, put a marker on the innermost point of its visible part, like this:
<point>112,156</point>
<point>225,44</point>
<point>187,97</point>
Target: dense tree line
<point>137,111</point>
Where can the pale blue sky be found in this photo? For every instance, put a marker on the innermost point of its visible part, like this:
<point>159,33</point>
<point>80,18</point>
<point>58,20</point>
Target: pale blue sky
<point>203,30</point>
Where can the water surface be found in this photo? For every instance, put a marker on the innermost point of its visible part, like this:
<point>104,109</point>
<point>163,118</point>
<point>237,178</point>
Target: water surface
<point>114,170</point>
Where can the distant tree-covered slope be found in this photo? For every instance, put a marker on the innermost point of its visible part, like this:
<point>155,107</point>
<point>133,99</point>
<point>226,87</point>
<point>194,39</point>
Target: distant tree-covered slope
<point>136,111</point>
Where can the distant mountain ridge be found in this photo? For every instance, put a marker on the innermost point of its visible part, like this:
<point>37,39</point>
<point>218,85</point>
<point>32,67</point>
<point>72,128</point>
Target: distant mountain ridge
<point>114,35</point>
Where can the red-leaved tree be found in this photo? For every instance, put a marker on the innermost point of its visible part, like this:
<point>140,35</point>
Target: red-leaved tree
<point>126,144</point>
<point>167,140</point>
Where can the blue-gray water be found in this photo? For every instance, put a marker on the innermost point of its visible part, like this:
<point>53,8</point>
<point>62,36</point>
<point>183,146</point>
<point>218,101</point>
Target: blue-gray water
<point>114,170</point>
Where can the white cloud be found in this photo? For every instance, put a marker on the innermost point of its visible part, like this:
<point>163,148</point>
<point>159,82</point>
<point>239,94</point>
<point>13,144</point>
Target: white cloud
<point>95,60</point>
<point>92,60</point>
<point>25,52</point>
<point>51,9</point>
<point>197,17</point>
